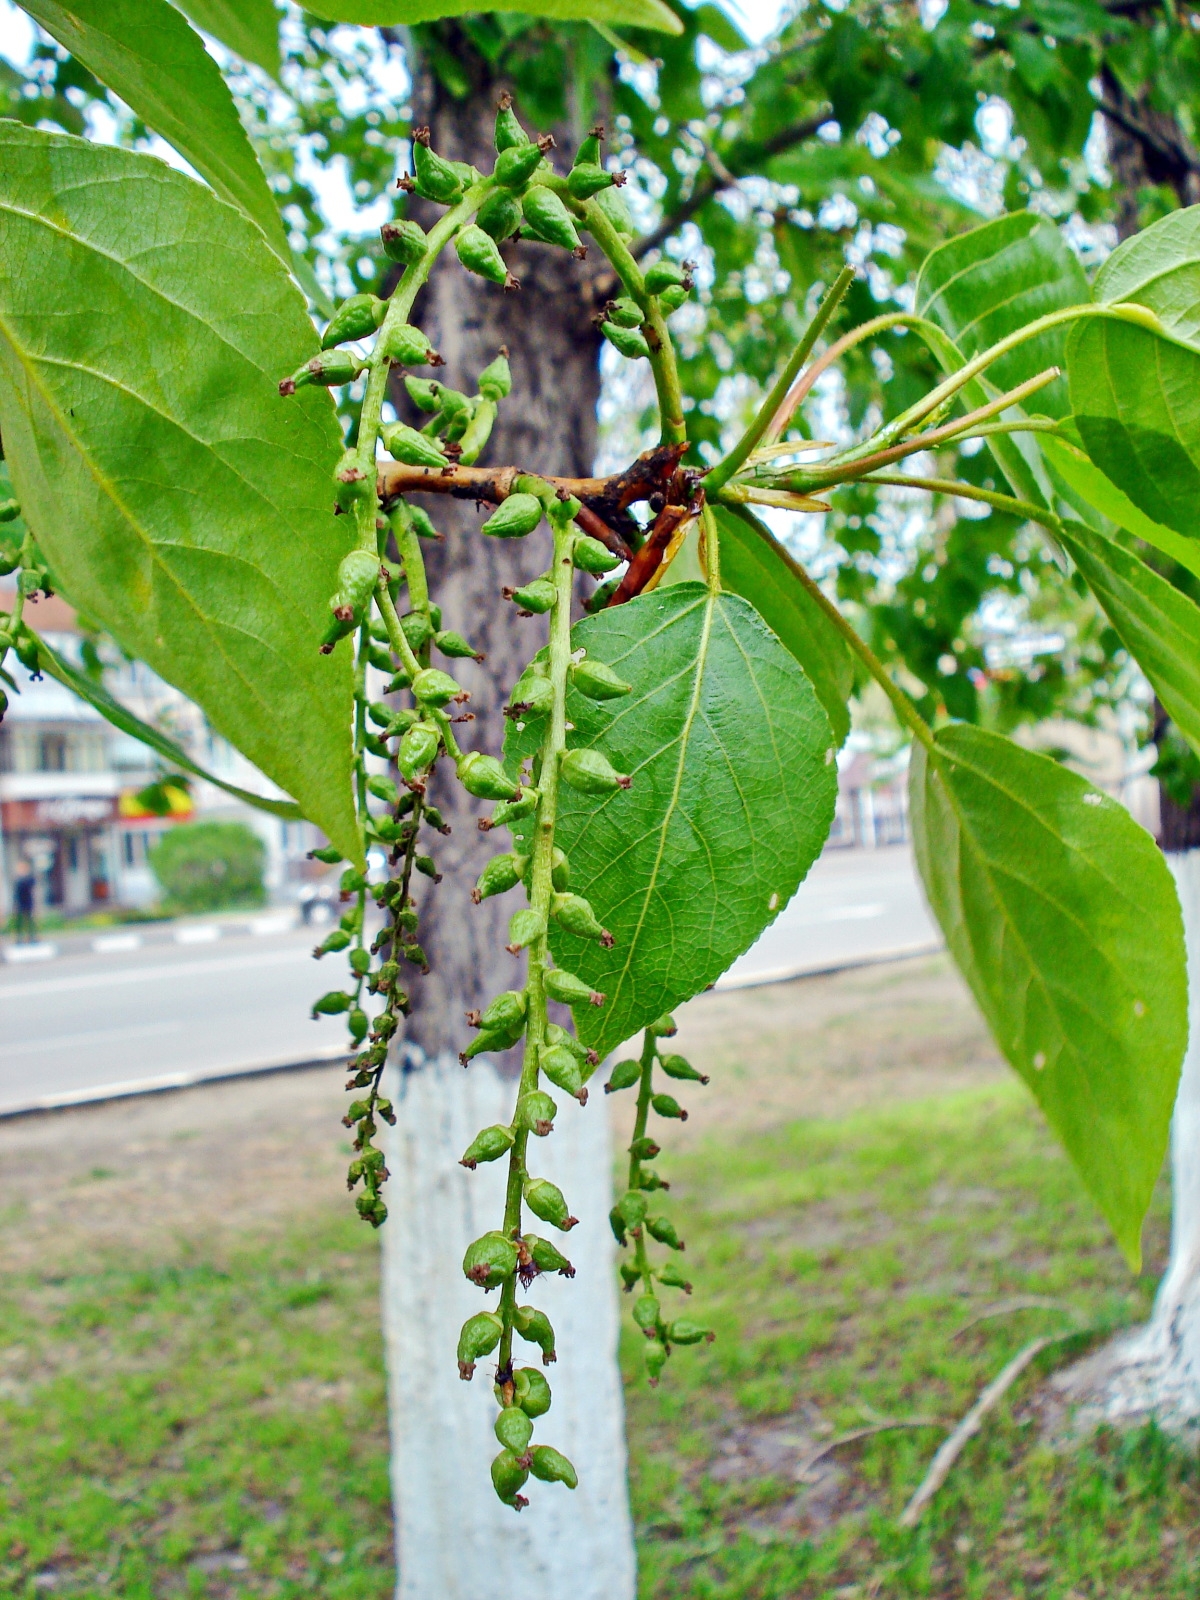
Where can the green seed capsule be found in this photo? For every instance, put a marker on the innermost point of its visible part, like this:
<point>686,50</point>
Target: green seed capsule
<point>479,1337</point>
<point>617,1223</point>
<point>509,131</point>
<point>414,449</point>
<point>10,510</point>
<point>562,1070</point>
<point>600,596</point>
<point>589,555</point>
<point>478,252</point>
<point>630,1275</point>
<point>329,854</point>
<point>398,680</point>
<point>379,713</point>
<point>423,524</point>
<point>673,1278</point>
<point>534,1327</point>
<point>330,368</point>
<point>360,962</point>
<point>454,645</point>
<point>513,810</point>
<point>646,1314</point>
<point>417,629</point>
<point>485,777</point>
<point>418,749</point>
<point>423,392</point>
<point>536,1111</point>
<point>351,881</point>
<point>625,313</point>
<point>499,217</point>
<point>643,1149</point>
<point>612,203</point>
<point>667,1106</point>
<point>332,942</point>
<point>516,164</point>
<point>485,1043</point>
<point>532,696</point>
<point>585,179</point>
<point>487,1145</point>
<point>597,681</point>
<point>550,1466</point>
<point>630,342</point>
<point>549,219</point>
<point>506,1013</point>
<point>433,687</point>
<point>514,1429</point>
<point>379,658</point>
<point>508,1477</point>
<point>407,346</point>
<point>547,1257</point>
<point>358,1022</point>
<point>329,1005</point>
<point>538,596</point>
<point>490,1260</point>
<point>350,483</point>
<point>684,1331</point>
<point>382,788</point>
<point>650,1181</point>
<point>524,927</point>
<point>495,381</point>
<point>531,1391</point>
<point>665,274</point>
<point>672,297</point>
<point>665,1028</point>
<point>560,869</point>
<point>404,241</point>
<point>356,318</point>
<point>501,874</point>
<point>559,1036</point>
<point>677,1067</point>
<point>632,1206</point>
<point>575,914</point>
<point>514,517</point>
<point>589,772</point>
<point>478,431</point>
<point>568,989</point>
<point>590,152</point>
<point>662,1229</point>
<point>436,179</point>
<point>545,1200</point>
<point>655,1356</point>
<point>623,1076</point>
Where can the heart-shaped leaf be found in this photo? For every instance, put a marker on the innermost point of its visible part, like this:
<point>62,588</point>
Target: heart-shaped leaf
<point>1159,268</point>
<point>734,784</point>
<point>1062,916</point>
<point>249,27</point>
<point>396,13</point>
<point>144,325</point>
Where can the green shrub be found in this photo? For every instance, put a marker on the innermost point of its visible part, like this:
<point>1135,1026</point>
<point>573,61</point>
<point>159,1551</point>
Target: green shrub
<point>207,866</point>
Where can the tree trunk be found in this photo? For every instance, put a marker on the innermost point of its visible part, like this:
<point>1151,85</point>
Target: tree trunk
<point>454,1538</point>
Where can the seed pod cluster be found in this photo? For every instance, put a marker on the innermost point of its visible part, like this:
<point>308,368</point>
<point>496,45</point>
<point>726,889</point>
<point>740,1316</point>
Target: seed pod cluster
<point>634,1218</point>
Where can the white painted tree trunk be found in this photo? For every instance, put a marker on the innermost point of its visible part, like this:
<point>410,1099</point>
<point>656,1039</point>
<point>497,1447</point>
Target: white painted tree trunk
<point>454,1539</point>
<point>1155,1371</point>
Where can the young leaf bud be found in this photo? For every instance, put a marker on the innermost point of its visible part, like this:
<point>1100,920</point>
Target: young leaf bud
<point>646,1314</point>
<point>568,989</point>
<point>404,242</point>
<point>584,180</point>
<point>662,1229</point>
<point>665,1028</point>
<point>485,777</point>
<point>562,1070</point>
<point>623,1076</point>
<point>597,681</point>
<point>631,342</point>
<point>684,1331</point>
<point>330,368</point>
<point>514,1429</point>
<point>534,1327</point>
<point>524,927</point>
<point>490,1260</point>
<point>407,346</point>
<point>550,1466</point>
<point>625,313</point>
<point>677,1067</point>
<point>478,252</point>
<point>414,449</point>
<point>495,381</point>
<point>508,1476</point>
<point>509,131</point>
<point>423,392</point>
<point>536,1111</point>
<point>433,687</point>
<point>531,1391</point>
<point>418,749</point>
<point>516,164</point>
<point>590,772</point>
<point>575,914</point>
<point>547,1257</point>
<point>670,1274</point>
<point>667,1106</point>
<point>664,273</point>
<point>501,874</point>
<point>436,179</point>
<point>356,318</point>
<point>548,219</point>
<point>454,645</point>
<point>589,555</point>
<point>655,1356</point>
<point>545,1200</point>
<point>514,517</point>
<point>479,1337</point>
<point>487,1145</point>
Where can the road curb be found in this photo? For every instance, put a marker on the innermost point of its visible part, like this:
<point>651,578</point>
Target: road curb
<point>878,958</point>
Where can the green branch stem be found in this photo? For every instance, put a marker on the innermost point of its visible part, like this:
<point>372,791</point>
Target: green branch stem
<point>970,491</point>
<point>645,1090</point>
<point>408,660</point>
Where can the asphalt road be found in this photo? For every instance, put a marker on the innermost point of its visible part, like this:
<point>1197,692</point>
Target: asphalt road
<point>92,1022</point>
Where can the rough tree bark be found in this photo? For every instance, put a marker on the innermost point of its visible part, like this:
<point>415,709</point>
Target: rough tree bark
<point>453,1536</point>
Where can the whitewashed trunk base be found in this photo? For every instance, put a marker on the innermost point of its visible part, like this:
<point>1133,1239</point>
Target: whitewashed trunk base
<point>1155,1370</point>
<point>454,1539</point>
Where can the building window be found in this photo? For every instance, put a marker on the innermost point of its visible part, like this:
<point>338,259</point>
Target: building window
<point>52,754</point>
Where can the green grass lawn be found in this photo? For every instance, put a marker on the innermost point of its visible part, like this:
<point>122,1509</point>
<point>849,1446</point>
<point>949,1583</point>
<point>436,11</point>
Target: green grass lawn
<point>217,1428</point>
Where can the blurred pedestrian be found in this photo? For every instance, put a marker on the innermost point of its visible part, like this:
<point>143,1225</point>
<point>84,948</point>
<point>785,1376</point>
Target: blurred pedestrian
<point>24,898</point>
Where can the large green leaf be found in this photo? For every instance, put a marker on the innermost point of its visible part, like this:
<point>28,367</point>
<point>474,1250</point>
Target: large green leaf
<point>145,52</point>
<point>144,325</point>
<point>389,13</point>
<point>1137,406</point>
<point>1158,624</point>
<point>1159,268</point>
<point>1061,913</point>
<point>121,717</point>
<point>755,566</point>
<point>734,783</point>
<point>985,284</point>
<point>249,27</point>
